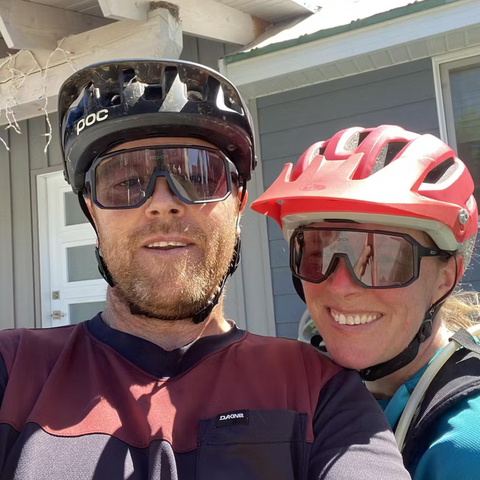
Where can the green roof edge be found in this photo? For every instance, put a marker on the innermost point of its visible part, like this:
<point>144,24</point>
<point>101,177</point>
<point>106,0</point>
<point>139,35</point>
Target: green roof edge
<point>330,32</point>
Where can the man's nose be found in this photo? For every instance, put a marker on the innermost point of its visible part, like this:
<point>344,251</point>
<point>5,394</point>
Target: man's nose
<point>164,201</point>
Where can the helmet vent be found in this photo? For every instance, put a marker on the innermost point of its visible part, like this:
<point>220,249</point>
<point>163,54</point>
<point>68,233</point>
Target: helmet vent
<point>128,76</point>
<point>355,140</point>
<point>195,94</point>
<point>441,172</point>
<point>76,110</point>
<point>111,99</point>
<point>153,92</point>
<point>386,155</point>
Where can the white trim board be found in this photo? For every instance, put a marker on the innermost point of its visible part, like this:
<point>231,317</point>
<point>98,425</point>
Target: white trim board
<point>425,34</point>
<point>255,266</point>
<point>437,61</point>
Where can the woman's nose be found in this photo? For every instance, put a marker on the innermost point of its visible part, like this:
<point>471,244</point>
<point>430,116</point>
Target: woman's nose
<point>342,281</point>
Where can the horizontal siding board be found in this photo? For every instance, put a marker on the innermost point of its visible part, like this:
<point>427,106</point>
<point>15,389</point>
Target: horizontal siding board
<point>274,230</point>
<point>278,253</point>
<point>470,286</point>
<point>22,231</point>
<point>287,330</point>
<point>391,93</point>
<point>417,117</point>
<point>288,308</point>
<point>345,83</point>
<point>282,281</point>
<point>272,169</point>
<point>7,311</point>
<point>291,121</point>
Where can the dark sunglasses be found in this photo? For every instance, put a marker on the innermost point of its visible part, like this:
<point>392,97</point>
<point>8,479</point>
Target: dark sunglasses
<point>375,259</point>
<point>126,178</point>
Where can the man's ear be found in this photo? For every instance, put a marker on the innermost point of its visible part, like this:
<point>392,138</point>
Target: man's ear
<point>89,204</point>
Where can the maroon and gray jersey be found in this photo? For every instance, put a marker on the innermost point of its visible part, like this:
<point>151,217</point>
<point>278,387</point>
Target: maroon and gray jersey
<point>90,402</point>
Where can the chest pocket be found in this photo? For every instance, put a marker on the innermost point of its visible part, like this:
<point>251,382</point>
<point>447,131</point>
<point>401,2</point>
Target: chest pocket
<point>253,444</point>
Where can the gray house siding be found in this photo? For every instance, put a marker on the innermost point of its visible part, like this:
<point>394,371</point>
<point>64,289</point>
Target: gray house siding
<point>207,52</point>
<point>18,218</point>
<point>19,251</point>
<point>290,122</point>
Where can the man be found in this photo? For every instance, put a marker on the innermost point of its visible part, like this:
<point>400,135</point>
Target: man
<point>161,385</point>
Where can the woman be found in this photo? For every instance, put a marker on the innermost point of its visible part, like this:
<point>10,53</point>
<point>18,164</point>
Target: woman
<point>382,224</point>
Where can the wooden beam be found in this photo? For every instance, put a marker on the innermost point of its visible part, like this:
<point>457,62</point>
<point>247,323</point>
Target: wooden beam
<point>159,37</point>
<point>31,25</point>
<point>124,10</point>
<point>209,19</point>
<point>205,18</point>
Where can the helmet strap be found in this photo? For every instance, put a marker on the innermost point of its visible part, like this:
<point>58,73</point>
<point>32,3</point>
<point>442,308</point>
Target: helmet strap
<point>102,266</point>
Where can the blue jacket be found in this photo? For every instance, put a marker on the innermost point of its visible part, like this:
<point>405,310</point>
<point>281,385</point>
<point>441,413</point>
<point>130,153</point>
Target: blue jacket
<point>454,453</point>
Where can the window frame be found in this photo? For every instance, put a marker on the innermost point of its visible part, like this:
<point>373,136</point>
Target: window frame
<point>442,65</point>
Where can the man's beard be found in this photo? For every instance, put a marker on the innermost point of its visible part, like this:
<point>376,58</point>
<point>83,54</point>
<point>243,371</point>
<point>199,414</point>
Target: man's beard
<point>175,289</point>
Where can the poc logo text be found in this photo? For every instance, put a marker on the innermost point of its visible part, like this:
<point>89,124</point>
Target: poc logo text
<point>89,120</point>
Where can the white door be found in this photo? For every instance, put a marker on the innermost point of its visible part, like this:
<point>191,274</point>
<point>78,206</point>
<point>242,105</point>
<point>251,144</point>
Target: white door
<point>71,285</point>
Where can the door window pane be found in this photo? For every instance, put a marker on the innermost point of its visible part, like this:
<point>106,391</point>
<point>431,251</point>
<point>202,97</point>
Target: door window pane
<point>73,212</point>
<point>465,92</point>
<point>78,312</point>
<point>82,264</point>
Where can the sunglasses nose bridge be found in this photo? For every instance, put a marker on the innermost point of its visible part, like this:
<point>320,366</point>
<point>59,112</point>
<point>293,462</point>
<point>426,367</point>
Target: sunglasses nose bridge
<point>335,265</point>
<point>154,185</point>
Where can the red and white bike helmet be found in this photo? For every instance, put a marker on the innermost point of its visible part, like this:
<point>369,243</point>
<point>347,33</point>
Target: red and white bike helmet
<point>384,175</point>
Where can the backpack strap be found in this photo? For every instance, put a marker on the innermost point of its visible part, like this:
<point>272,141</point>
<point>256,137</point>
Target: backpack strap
<point>456,380</point>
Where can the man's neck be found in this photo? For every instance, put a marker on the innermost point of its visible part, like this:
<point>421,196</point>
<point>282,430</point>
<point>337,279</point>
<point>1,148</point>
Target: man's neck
<point>167,334</point>
<point>387,386</point>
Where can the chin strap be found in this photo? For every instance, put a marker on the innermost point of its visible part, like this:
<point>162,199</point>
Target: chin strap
<point>200,315</point>
<point>404,358</point>
<point>381,370</point>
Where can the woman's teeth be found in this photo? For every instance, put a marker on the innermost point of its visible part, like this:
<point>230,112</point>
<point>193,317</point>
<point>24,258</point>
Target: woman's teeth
<point>354,319</point>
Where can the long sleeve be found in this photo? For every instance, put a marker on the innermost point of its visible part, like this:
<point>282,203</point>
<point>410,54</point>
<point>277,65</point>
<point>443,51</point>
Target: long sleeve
<point>352,437</point>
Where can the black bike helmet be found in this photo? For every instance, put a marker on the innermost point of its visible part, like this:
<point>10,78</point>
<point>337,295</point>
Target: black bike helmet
<point>110,103</point>
<point>113,102</point>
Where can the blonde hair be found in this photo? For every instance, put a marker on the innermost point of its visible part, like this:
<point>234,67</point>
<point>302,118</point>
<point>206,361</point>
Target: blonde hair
<point>462,308</point>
